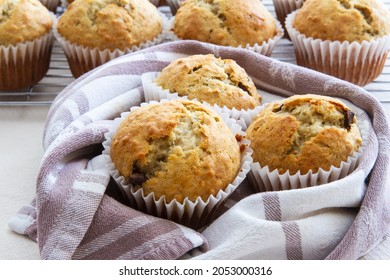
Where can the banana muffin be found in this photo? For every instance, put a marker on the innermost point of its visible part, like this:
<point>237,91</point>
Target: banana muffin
<point>92,32</point>
<point>213,80</point>
<point>110,24</point>
<point>343,20</point>
<point>25,29</point>
<point>177,149</point>
<point>348,39</point>
<point>225,22</point>
<point>303,133</point>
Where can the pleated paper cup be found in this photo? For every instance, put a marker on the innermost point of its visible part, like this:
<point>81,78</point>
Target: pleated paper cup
<point>285,7</point>
<point>195,214</point>
<point>262,179</point>
<point>155,92</point>
<point>266,48</point>
<point>358,63</point>
<point>25,64</point>
<point>83,59</point>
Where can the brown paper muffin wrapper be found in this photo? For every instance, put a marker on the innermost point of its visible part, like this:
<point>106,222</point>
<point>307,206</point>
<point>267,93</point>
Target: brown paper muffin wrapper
<point>51,5</point>
<point>265,48</point>
<point>358,63</point>
<point>82,59</point>
<point>153,91</point>
<point>285,7</point>
<point>262,179</point>
<point>195,214</point>
<point>25,64</point>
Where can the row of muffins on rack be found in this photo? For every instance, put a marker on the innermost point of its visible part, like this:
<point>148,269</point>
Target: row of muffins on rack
<point>351,42</point>
<point>203,130</point>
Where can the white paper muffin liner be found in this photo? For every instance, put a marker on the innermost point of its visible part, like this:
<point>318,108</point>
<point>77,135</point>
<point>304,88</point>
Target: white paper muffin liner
<point>153,91</point>
<point>83,59</point>
<point>265,48</point>
<point>25,64</point>
<point>262,179</point>
<point>285,7</point>
<point>193,214</point>
<point>51,5</point>
<point>358,63</point>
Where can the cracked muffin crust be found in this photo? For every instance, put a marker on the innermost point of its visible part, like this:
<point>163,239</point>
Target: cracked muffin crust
<point>343,20</point>
<point>176,149</point>
<point>212,80</point>
<point>303,133</point>
<point>225,22</point>
<point>110,24</point>
<point>22,21</point>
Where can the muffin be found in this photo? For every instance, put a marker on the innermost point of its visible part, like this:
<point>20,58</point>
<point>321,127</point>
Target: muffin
<point>177,159</point>
<point>233,23</point>
<point>283,8</point>
<point>209,79</point>
<point>51,5</point>
<point>92,32</point>
<point>304,133</point>
<point>25,43</point>
<point>347,39</point>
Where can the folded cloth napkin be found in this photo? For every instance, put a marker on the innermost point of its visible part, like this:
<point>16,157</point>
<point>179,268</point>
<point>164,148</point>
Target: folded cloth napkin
<point>77,214</point>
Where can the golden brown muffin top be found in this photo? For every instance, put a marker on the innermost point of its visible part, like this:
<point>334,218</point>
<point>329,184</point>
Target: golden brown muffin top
<point>225,22</point>
<point>110,24</point>
<point>22,21</point>
<point>343,20</point>
<point>302,133</point>
<point>210,79</point>
<point>176,149</point>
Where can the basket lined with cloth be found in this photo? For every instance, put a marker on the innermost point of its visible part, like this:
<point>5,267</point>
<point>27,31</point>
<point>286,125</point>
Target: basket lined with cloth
<point>77,214</point>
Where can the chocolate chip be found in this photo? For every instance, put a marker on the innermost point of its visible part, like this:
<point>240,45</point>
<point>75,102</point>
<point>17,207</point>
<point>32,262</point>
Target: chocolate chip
<point>348,119</point>
<point>137,179</point>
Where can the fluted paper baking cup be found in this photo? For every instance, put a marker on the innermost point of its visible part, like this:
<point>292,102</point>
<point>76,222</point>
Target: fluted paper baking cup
<point>82,59</point>
<point>153,91</point>
<point>25,64</point>
<point>358,63</point>
<point>285,7</point>
<point>262,179</point>
<point>195,214</point>
<point>266,48</point>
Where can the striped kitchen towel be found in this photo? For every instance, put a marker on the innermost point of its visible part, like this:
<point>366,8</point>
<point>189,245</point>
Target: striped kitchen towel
<point>77,214</point>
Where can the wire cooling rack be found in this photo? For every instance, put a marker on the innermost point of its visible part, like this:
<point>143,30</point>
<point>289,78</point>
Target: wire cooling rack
<point>59,75</point>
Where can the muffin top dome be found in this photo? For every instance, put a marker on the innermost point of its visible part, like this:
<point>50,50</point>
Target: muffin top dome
<point>110,24</point>
<point>303,133</point>
<point>212,80</point>
<point>225,22</point>
<point>22,21</point>
<point>343,20</point>
<point>177,149</point>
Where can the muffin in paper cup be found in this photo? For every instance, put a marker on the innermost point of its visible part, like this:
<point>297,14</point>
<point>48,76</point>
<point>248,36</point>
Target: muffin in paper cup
<point>357,62</point>
<point>83,58</point>
<point>194,202</point>
<point>241,24</point>
<point>277,176</point>
<point>25,57</point>
<point>219,82</point>
<point>285,7</point>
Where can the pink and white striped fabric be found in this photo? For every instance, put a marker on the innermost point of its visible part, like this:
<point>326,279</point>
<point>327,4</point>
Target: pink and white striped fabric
<point>79,214</point>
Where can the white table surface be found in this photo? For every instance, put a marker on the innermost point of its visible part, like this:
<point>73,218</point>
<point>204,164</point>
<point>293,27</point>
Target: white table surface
<point>22,124</point>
